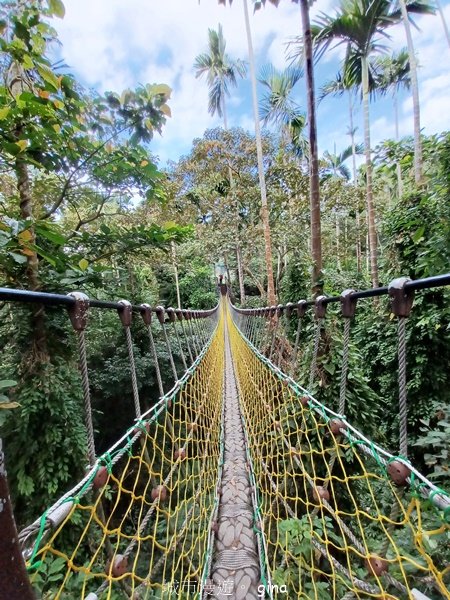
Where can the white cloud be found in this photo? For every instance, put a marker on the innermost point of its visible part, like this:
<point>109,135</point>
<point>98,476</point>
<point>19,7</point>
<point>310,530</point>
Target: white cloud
<point>434,78</point>
<point>112,44</point>
<point>434,82</point>
<point>247,123</point>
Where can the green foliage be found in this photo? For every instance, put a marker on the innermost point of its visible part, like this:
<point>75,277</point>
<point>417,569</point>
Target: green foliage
<point>49,425</point>
<point>51,575</point>
<point>294,286</point>
<point>417,243</point>
<point>101,219</point>
<point>418,227</point>
<point>78,182</point>
<point>196,286</point>
<point>295,535</point>
<point>434,441</point>
<point>110,374</point>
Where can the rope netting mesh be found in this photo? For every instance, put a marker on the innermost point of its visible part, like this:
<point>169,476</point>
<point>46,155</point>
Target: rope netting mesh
<point>335,523</point>
<point>139,523</point>
<point>335,516</point>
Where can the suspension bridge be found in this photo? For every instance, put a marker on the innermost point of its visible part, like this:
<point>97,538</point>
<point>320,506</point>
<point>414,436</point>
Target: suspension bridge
<point>237,483</point>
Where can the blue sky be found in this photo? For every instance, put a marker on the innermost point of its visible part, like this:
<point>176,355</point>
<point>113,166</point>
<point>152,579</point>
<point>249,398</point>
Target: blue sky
<point>112,44</point>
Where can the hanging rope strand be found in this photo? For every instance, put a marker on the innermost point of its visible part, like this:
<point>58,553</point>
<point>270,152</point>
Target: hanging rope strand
<point>146,313</point>
<point>299,310</point>
<point>313,367</point>
<point>401,303</point>
<point>275,326</point>
<point>78,314</point>
<point>87,396</point>
<point>186,337</point>
<point>253,326</point>
<point>403,403</point>
<point>160,314</point>
<point>172,318</point>
<point>125,316</point>
<point>191,330</point>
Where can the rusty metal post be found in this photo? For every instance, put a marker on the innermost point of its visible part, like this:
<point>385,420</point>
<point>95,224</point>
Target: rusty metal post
<point>14,582</point>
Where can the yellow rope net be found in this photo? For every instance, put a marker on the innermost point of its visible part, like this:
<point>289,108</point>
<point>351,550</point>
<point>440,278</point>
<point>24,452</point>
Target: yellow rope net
<point>139,524</point>
<point>334,522</point>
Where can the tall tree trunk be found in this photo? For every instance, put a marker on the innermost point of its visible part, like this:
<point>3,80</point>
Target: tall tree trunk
<point>415,94</point>
<point>285,255</point>
<point>444,22</point>
<point>234,199</point>
<point>224,113</point>
<point>367,251</point>
<point>398,167</point>
<point>227,268</point>
<point>278,277</point>
<point>32,272</point>
<point>338,245</point>
<point>175,272</point>
<point>262,181</point>
<point>388,193</point>
<point>240,274</point>
<point>314,190</point>
<point>345,239</point>
<point>358,216</point>
<point>373,250</point>
<point>258,283</point>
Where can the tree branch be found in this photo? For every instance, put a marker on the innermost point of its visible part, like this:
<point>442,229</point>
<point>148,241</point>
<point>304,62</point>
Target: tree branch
<point>92,217</point>
<point>256,280</point>
<point>66,186</point>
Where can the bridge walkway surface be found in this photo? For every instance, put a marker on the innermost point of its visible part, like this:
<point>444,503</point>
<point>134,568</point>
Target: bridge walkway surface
<point>235,571</point>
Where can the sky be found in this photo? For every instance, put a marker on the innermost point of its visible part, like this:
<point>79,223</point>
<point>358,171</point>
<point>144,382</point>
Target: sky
<point>111,45</point>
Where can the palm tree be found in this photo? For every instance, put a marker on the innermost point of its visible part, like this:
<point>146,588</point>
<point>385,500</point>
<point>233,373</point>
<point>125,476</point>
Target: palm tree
<point>334,164</point>
<point>278,107</point>
<point>314,189</point>
<point>393,75</point>
<point>444,22</point>
<point>419,7</point>
<point>337,87</point>
<point>388,73</point>
<point>221,71</point>
<point>262,181</point>
<point>359,24</point>
<point>334,167</point>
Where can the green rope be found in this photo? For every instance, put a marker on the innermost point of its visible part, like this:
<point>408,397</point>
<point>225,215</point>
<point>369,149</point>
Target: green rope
<point>34,566</point>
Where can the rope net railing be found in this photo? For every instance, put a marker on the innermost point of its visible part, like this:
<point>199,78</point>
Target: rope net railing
<point>335,516</point>
<point>138,524</point>
<point>341,517</point>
